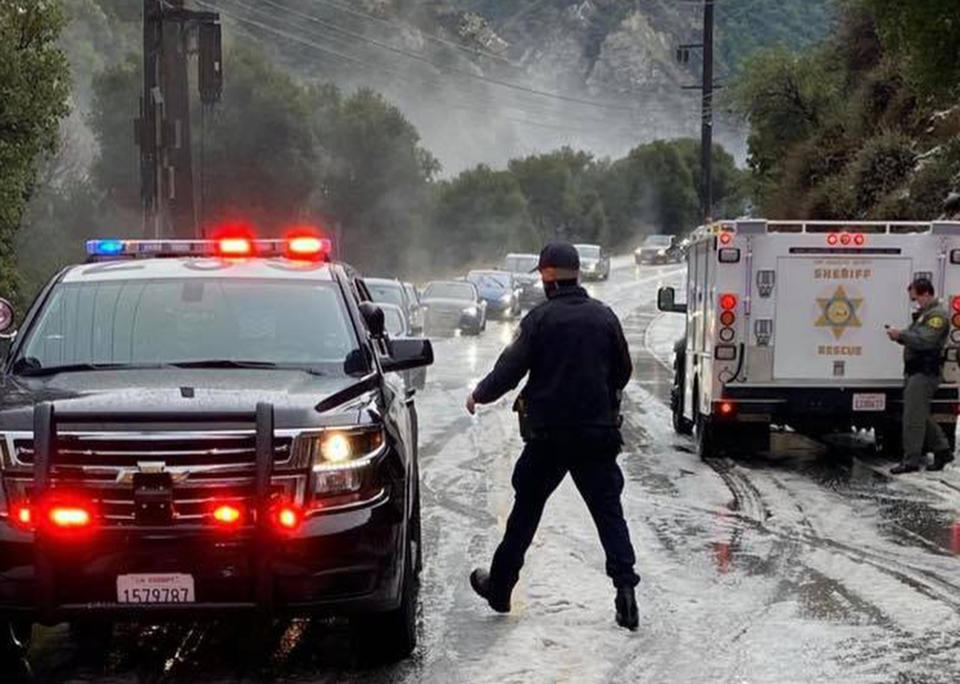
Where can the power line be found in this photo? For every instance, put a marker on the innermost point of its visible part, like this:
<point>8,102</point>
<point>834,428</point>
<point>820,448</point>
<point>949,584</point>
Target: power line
<point>429,36</point>
<point>449,69</point>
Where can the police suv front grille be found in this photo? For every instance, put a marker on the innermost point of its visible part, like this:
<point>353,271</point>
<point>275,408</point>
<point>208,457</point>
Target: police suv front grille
<point>443,319</point>
<point>205,468</point>
<point>174,450</point>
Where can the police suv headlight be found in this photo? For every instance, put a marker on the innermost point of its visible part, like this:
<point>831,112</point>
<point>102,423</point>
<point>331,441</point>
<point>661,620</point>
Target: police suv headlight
<point>505,299</point>
<point>470,311</point>
<point>340,457</point>
<point>662,252</point>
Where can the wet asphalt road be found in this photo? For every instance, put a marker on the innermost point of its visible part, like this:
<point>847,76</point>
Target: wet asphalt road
<point>806,565</point>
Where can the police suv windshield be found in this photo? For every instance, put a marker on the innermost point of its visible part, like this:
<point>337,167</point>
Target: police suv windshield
<point>194,321</point>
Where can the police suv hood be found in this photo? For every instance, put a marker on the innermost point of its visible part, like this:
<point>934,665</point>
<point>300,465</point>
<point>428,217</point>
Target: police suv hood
<point>299,398</point>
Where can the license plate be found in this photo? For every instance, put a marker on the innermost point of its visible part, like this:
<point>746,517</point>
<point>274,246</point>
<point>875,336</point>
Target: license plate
<point>155,588</point>
<point>870,402</point>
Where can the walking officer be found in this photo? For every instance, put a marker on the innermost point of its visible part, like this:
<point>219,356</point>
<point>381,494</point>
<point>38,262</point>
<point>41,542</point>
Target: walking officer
<point>923,345</point>
<point>578,363</point>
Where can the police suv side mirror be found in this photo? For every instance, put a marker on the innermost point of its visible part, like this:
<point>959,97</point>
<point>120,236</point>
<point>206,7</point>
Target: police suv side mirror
<point>666,301</point>
<point>373,317</point>
<point>407,354</point>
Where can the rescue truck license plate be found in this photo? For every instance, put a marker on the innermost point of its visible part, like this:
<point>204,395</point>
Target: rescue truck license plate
<point>869,402</point>
<point>158,588</point>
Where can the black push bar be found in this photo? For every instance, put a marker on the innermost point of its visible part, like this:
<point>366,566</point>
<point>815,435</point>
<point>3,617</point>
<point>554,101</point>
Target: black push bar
<point>45,420</point>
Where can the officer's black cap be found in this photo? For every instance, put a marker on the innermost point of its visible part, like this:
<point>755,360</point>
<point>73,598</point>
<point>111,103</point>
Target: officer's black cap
<point>559,255</point>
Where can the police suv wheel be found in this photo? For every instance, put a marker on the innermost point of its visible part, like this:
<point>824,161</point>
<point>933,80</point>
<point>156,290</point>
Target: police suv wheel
<point>391,637</point>
<point>15,638</point>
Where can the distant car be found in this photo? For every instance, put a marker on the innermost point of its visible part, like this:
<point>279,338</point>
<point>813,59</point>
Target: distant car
<point>656,249</point>
<point>416,309</point>
<point>395,324</point>
<point>499,290</point>
<point>594,262</point>
<point>524,270</point>
<point>392,291</point>
<point>453,305</point>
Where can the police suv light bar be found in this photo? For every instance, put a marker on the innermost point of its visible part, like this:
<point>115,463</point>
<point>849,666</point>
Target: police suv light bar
<point>299,247</point>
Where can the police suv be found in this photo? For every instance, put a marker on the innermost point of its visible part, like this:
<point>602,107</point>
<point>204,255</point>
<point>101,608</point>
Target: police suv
<point>191,429</point>
<point>785,325</point>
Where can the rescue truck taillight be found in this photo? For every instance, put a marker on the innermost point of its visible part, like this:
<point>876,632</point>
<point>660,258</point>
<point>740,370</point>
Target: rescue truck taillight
<point>832,239</point>
<point>859,239</point>
<point>728,301</point>
<point>728,318</point>
<point>726,238</point>
<point>955,303</point>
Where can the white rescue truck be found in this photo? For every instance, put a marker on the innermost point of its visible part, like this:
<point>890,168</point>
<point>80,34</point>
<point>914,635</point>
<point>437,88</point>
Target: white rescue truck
<point>785,326</point>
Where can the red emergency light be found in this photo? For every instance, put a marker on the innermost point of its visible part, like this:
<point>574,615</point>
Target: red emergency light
<point>726,238</point>
<point>234,247</point>
<point>832,239</point>
<point>22,516</point>
<point>226,515</point>
<point>286,517</point>
<point>69,517</point>
<point>859,239</point>
<point>308,247</point>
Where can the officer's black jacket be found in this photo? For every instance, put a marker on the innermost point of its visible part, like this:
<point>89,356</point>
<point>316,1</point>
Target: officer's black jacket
<point>578,360</point>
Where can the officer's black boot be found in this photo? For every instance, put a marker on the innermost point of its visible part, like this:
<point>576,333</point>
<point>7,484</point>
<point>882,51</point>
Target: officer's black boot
<point>941,459</point>
<point>627,613</point>
<point>904,468</point>
<point>480,581</point>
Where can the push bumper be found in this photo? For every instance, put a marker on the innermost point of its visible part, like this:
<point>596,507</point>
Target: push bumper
<point>336,562</point>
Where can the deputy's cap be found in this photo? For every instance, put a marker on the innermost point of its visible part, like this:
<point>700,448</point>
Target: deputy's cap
<point>559,255</point>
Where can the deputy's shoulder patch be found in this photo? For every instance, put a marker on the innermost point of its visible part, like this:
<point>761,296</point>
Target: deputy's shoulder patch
<point>936,322</point>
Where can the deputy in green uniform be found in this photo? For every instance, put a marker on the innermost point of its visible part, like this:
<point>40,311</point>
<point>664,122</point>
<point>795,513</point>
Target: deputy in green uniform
<point>923,345</point>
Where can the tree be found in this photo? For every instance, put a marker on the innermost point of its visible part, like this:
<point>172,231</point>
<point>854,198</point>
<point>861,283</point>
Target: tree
<point>34,84</point>
<point>480,215</point>
<point>925,34</point>
<point>375,179</point>
<point>116,169</point>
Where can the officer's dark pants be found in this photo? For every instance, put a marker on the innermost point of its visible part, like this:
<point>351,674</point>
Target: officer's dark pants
<point>542,466</point>
<point>920,433</point>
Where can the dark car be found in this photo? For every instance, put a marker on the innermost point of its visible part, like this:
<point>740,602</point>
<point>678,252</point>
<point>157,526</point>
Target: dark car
<point>392,291</point>
<point>453,306</point>
<point>656,249</point>
<point>192,437</point>
<point>594,262</point>
<point>523,267</point>
<point>499,291</point>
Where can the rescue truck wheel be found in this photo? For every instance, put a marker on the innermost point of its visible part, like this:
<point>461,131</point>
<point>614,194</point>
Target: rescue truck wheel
<point>681,425</point>
<point>889,441</point>
<point>706,438</point>
<point>950,432</point>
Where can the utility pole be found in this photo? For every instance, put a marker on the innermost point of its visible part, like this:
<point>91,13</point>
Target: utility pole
<point>706,126</point>
<point>706,89</point>
<point>148,125</point>
<point>177,162</point>
<point>163,129</point>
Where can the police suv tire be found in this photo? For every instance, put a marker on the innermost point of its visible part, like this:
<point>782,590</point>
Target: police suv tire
<point>15,637</point>
<point>390,637</point>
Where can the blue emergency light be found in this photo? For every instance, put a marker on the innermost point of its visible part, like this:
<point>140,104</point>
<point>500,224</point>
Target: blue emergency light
<point>104,247</point>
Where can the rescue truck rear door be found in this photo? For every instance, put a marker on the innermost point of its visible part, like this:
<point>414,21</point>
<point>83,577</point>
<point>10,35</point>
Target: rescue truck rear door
<point>830,317</point>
